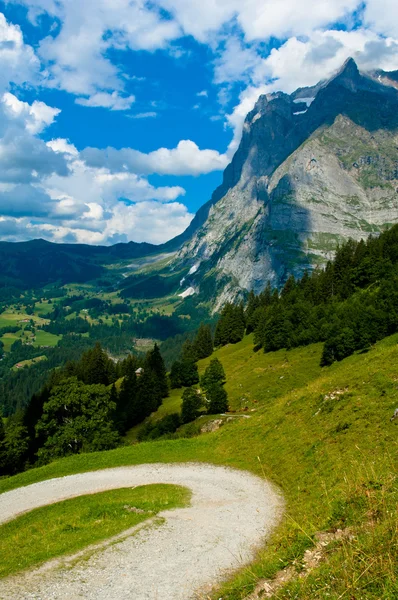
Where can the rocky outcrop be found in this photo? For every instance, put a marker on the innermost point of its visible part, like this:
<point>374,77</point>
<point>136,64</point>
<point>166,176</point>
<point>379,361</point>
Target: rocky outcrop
<point>312,169</point>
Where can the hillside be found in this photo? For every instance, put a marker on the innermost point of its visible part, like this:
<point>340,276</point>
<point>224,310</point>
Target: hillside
<point>324,436</point>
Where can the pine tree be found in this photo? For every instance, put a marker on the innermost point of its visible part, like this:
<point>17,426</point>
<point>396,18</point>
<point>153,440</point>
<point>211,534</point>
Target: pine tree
<point>214,374</point>
<point>2,448</point>
<point>259,332</point>
<point>265,298</point>
<point>183,374</point>
<point>276,332</point>
<point>94,366</point>
<point>127,412</point>
<point>230,328</point>
<point>203,343</point>
<point>188,352</point>
<point>252,305</point>
<point>289,286</point>
<point>217,398</point>
<point>155,363</point>
<point>176,375</point>
<point>190,373</point>
<point>148,395</point>
<point>15,444</point>
<point>191,404</point>
<point>238,324</point>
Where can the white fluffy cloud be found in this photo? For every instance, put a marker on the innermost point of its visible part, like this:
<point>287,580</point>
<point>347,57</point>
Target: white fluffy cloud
<point>113,101</point>
<point>147,221</point>
<point>91,205</point>
<point>25,158</point>
<point>36,116</point>
<point>382,16</point>
<point>258,20</point>
<point>186,159</point>
<point>18,61</point>
<point>76,56</point>
<point>98,183</point>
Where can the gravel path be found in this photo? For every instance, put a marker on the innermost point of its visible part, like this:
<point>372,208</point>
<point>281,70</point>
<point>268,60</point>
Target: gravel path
<point>230,514</point>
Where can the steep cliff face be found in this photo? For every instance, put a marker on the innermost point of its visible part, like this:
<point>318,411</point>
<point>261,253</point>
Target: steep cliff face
<point>312,169</point>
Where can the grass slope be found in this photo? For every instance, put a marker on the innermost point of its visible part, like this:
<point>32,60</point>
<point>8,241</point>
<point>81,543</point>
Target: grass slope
<point>68,526</point>
<point>325,437</point>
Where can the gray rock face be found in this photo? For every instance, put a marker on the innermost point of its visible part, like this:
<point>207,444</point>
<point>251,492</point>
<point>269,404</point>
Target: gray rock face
<point>312,170</point>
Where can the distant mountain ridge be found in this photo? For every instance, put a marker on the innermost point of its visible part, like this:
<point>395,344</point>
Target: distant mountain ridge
<point>37,263</point>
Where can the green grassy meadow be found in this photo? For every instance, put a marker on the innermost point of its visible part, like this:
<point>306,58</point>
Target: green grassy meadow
<point>27,363</point>
<point>44,338</point>
<point>324,436</point>
<point>12,316</point>
<point>68,526</point>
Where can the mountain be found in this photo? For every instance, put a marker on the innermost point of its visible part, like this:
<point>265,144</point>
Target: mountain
<point>37,263</point>
<point>313,169</point>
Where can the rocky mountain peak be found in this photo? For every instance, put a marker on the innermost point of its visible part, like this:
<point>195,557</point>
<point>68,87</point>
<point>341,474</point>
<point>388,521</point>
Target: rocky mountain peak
<point>348,71</point>
<point>313,168</point>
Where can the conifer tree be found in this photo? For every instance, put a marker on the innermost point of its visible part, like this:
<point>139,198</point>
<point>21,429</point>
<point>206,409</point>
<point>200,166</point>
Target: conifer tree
<point>93,366</point>
<point>214,374</point>
<point>176,375</point>
<point>2,449</point>
<point>188,352</point>
<point>217,398</point>
<point>289,286</point>
<point>127,412</point>
<point>155,363</point>
<point>253,304</point>
<point>190,373</point>
<point>183,374</point>
<point>230,328</point>
<point>148,394</point>
<point>191,404</point>
<point>265,297</point>
<point>203,343</point>
<point>276,331</point>
<point>15,444</point>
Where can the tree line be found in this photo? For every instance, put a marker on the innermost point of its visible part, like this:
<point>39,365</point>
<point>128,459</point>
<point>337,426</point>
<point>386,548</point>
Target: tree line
<point>84,406</point>
<point>206,397</point>
<point>348,305</point>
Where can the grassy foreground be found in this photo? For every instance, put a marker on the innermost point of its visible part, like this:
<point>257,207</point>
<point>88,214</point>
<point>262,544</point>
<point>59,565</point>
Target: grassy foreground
<point>69,526</point>
<point>325,437</point>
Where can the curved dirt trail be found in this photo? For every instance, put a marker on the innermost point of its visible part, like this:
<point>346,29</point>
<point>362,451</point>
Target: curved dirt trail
<point>231,512</point>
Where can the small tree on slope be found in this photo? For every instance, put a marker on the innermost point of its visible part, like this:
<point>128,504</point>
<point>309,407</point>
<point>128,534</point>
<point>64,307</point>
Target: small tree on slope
<point>191,404</point>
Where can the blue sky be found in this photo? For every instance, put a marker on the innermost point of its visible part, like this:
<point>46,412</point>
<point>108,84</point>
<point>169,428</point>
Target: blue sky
<point>117,117</point>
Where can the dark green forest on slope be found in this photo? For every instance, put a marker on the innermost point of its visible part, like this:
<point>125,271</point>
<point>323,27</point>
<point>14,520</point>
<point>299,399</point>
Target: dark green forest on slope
<point>349,305</point>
